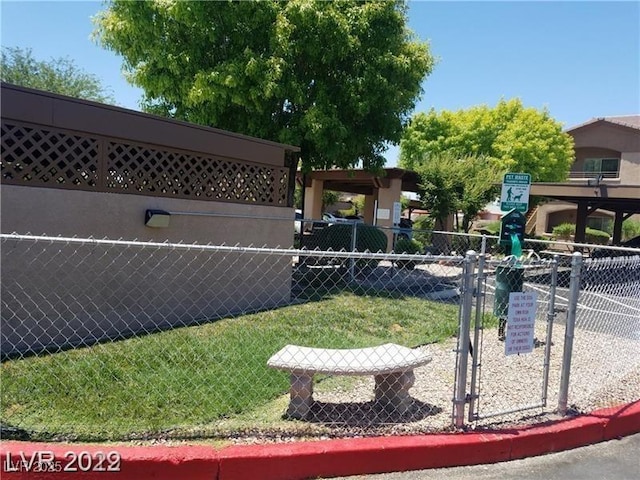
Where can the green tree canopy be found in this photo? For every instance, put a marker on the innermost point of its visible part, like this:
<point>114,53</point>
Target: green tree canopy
<point>452,184</point>
<point>510,136</point>
<point>59,75</point>
<point>339,79</point>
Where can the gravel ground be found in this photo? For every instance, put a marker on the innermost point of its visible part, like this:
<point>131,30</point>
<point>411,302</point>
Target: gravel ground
<point>605,372</point>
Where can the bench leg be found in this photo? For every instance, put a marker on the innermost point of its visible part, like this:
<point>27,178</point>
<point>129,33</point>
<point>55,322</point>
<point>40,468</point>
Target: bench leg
<point>392,390</point>
<point>301,393</point>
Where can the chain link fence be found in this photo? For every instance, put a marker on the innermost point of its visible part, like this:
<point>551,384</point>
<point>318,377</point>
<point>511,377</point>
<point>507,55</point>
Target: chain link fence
<point>569,342</point>
<point>114,340</point>
<point>605,370</point>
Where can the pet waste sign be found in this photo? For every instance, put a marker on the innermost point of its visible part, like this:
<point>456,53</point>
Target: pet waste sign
<point>515,192</point>
<point>521,322</point>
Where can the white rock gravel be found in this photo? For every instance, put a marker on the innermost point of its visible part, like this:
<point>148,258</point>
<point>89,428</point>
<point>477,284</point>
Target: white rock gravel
<point>605,372</point>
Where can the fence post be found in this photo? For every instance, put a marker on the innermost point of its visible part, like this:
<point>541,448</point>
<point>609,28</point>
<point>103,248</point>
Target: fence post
<point>352,262</point>
<point>574,292</point>
<point>462,353</point>
<point>551,315</point>
<point>478,325</point>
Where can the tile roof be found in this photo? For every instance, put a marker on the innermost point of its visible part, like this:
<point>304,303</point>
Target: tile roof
<point>631,121</point>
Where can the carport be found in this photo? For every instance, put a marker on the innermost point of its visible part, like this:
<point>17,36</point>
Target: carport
<point>380,190</point>
<point>622,200</point>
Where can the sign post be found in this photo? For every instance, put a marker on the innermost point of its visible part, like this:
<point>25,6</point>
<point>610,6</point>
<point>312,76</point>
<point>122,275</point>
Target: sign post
<point>397,212</point>
<point>515,192</point>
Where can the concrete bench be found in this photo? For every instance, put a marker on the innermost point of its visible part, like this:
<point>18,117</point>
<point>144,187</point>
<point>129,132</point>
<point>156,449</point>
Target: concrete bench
<point>391,365</point>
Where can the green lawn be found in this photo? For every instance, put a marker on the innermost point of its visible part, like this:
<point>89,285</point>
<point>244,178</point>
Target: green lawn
<point>190,377</point>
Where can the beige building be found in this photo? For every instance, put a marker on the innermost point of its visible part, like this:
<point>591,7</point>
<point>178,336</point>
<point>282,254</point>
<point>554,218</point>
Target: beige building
<point>77,168</point>
<point>604,180</point>
<point>74,168</point>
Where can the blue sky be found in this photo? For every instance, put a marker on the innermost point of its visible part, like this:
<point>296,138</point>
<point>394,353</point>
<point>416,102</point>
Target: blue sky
<point>577,59</point>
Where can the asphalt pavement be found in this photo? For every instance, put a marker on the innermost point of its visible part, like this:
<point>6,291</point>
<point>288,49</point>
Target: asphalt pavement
<point>612,460</point>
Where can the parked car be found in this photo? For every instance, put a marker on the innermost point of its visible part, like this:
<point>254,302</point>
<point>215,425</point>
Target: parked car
<point>404,229</point>
<point>330,217</point>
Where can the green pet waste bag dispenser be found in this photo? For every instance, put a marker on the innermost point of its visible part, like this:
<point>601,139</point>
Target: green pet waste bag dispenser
<point>509,278</point>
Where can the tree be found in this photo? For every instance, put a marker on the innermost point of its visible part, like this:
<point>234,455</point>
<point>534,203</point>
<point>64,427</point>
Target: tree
<point>59,75</point>
<point>510,137</point>
<point>451,184</point>
<point>338,79</point>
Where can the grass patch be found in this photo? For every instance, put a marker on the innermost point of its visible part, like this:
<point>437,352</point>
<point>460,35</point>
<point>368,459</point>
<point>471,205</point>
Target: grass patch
<point>190,377</point>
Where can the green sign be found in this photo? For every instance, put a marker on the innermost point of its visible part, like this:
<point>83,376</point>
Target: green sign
<point>515,192</point>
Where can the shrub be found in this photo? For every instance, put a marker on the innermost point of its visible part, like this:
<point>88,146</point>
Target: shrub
<point>422,228</point>
<point>461,244</point>
<point>338,237</point>
<point>630,229</point>
<point>370,238</point>
<point>564,231</point>
<point>493,228</point>
<point>596,236</point>
<point>405,245</point>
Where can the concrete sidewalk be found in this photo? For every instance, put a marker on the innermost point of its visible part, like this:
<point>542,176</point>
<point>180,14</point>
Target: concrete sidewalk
<point>302,460</point>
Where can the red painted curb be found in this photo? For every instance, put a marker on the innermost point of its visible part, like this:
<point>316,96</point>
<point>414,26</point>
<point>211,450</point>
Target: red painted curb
<point>93,462</point>
<point>558,436</point>
<point>360,456</point>
<point>328,458</point>
<point>622,421</point>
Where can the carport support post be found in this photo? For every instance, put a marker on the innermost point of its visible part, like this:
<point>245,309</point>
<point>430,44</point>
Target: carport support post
<point>574,292</point>
<point>460,395</point>
<point>617,227</point>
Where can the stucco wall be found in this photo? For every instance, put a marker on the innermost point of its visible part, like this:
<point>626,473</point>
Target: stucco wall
<point>57,295</point>
<point>629,164</point>
<point>606,135</point>
<point>630,168</point>
<point>58,212</point>
<point>75,168</point>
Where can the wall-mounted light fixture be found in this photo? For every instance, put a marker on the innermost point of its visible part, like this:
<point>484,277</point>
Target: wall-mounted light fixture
<point>157,218</point>
<point>160,218</point>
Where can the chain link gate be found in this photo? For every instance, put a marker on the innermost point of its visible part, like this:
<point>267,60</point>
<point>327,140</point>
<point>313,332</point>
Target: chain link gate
<point>520,348</point>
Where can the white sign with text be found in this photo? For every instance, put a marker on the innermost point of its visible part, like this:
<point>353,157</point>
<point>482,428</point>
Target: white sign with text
<point>397,212</point>
<point>515,192</point>
<point>383,214</point>
<point>521,321</point>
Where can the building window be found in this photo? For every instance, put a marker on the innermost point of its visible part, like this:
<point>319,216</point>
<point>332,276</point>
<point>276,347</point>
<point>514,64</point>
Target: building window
<point>607,167</point>
<point>604,224</point>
